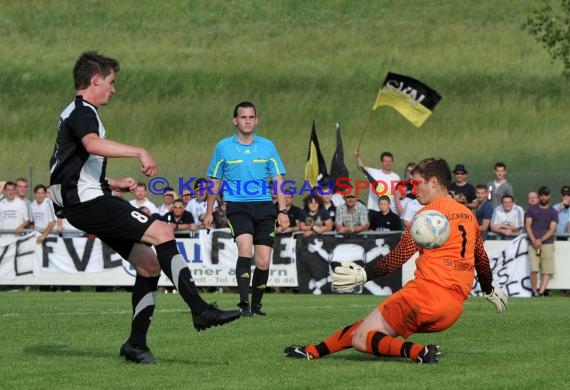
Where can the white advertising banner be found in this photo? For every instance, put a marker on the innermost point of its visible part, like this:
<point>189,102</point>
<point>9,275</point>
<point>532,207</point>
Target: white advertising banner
<point>211,258</point>
<point>83,261</point>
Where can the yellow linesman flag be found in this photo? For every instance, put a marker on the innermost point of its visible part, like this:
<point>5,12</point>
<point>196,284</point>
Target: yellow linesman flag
<point>315,168</point>
<point>410,97</point>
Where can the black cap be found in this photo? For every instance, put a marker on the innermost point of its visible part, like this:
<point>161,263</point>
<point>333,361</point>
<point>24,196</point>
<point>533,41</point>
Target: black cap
<point>565,190</point>
<point>460,168</point>
<point>544,190</point>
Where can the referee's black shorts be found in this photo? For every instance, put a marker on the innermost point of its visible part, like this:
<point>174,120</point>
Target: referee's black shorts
<point>255,218</point>
<point>114,220</point>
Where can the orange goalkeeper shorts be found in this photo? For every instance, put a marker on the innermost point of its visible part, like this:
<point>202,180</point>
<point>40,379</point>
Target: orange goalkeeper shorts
<point>421,307</point>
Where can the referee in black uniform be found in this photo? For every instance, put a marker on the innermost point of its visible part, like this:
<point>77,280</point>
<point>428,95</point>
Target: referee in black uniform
<point>81,191</point>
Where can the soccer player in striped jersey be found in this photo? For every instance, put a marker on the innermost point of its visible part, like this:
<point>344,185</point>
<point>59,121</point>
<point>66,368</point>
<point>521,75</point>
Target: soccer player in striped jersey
<point>83,193</point>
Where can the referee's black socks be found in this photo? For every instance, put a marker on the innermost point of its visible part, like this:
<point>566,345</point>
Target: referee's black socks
<point>243,276</point>
<point>258,284</point>
<point>174,266</point>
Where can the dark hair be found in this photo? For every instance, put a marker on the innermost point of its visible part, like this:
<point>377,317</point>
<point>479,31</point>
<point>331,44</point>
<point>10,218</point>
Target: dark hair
<point>243,105</point>
<point>9,183</point>
<point>38,187</point>
<point>507,196</point>
<point>384,197</point>
<point>481,187</point>
<point>89,64</point>
<point>434,167</point>
<point>141,184</point>
<point>198,184</point>
<point>500,164</point>
<point>386,154</point>
<point>178,201</point>
<point>307,199</point>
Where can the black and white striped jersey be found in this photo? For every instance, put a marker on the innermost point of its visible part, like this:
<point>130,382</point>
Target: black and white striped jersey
<point>76,175</point>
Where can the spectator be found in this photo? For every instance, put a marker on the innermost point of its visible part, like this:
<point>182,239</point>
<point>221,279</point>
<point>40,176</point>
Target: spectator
<point>508,218</point>
<point>141,199</point>
<point>313,217</point>
<point>532,198</point>
<point>292,212</point>
<point>540,223</point>
<point>22,190</point>
<point>13,211</point>
<point>461,186</point>
<point>221,215</point>
<point>563,209</point>
<point>167,199</point>
<point>42,214</point>
<point>411,209</point>
<point>410,187</point>
<point>326,193</point>
<point>2,183</point>
<point>178,218</point>
<point>186,197</point>
<point>401,198</point>
<point>484,209</point>
<point>352,216</point>
<point>198,205</point>
<point>384,176</point>
<point>499,187</point>
<point>385,219</point>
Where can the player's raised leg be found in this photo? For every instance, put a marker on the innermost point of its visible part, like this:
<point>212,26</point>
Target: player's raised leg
<point>204,315</point>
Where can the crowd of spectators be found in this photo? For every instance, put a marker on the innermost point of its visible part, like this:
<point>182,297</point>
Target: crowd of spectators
<point>493,203</point>
<point>324,210</point>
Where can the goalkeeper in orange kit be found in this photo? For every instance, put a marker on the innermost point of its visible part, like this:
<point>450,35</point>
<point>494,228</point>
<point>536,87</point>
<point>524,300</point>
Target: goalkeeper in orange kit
<point>433,300</point>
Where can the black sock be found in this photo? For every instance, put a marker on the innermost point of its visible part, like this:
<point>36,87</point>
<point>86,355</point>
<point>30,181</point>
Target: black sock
<point>143,300</point>
<point>259,284</point>
<point>243,276</point>
<point>174,266</point>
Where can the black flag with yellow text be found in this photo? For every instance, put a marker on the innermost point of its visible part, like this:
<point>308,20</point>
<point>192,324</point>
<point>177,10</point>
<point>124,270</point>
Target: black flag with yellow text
<point>410,97</point>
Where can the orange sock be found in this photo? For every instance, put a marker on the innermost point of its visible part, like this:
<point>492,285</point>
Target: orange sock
<point>341,339</point>
<point>380,344</point>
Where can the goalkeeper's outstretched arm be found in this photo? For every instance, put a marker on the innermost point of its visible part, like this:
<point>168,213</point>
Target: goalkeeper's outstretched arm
<point>394,260</point>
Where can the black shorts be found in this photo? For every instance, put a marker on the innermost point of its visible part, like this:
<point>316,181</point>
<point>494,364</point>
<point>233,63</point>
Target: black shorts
<point>255,218</point>
<point>113,220</point>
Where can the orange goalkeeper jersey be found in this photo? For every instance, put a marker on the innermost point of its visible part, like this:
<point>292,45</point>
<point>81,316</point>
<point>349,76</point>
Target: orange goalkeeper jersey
<point>450,266</point>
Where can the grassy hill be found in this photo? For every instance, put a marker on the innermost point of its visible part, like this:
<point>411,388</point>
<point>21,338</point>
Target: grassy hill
<point>185,64</point>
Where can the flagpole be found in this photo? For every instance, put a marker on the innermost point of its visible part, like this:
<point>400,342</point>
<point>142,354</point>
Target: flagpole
<point>365,129</point>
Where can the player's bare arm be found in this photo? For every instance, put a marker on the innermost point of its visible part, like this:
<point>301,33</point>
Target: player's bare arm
<point>282,218</point>
<point>127,184</point>
<point>107,148</point>
<point>211,200</point>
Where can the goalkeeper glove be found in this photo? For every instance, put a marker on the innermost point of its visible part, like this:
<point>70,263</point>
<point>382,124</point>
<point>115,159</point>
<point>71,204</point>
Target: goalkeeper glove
<point>498,297</point>
<point>348,276</point>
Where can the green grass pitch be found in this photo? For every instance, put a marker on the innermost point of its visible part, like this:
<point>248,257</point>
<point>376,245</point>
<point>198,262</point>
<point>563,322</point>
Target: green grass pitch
<point>70,341</point>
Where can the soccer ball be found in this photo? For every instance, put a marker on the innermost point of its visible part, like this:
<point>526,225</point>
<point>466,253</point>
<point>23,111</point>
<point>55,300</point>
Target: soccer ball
<point>430,229</point>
